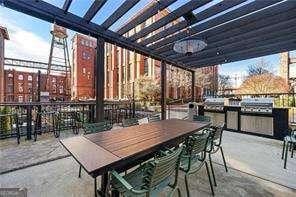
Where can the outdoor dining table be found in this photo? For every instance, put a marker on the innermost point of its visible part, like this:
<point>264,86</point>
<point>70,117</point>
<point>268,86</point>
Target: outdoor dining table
<point>121,149</point>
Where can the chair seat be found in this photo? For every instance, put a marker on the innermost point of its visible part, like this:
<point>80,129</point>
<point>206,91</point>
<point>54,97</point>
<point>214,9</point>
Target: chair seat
<point>195,163</point>
<point>135,179</point>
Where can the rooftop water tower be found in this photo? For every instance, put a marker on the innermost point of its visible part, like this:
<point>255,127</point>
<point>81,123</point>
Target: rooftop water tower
<point>59,60</point>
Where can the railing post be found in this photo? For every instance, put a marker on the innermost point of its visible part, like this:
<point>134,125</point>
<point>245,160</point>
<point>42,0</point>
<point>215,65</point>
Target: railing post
<point>193,87</point>
<point>29,122</point>
<point>91,113</point>
<point>39,100</point>
<point>134,106</point>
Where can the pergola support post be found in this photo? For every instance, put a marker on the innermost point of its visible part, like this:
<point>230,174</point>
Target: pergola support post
<point>99,79</point>
<point>163,79</point>
<point>193,86</point>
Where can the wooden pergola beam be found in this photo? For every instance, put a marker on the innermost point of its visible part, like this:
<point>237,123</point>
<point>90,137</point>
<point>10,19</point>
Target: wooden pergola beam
<point>278,45</point>
<point>94,8</point>
<point>66,5</point>
<point>143,16</point>
<point>232,15</point>
<point>240,41</point>
<point>126,6</point>
<point>50,13</point>
<point>209,12</point>
<point>188,7</point>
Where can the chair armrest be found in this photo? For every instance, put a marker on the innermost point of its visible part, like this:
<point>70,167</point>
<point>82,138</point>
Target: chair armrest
<point>121,180</point>
<point>125,184</point>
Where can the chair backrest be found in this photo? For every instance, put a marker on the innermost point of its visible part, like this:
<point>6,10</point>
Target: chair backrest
<point>130,122</point>
<point>162,168</point>
<point>154,118</point>
<point>201,118</point>
<point>197,144</point>
<point>97,127</point>
<point>217,133</point>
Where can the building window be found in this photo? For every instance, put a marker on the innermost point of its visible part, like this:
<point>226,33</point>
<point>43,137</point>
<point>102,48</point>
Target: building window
<point>30,87</point>
<point>61,89</point>
<point>20,98</point>
<point>20,87</point>
<point>21,77</point>
<point>54,88</point>
<point>85,55</point>
<point>117,58</point>
<point>83,70</point>
<point>128,71</point>
<point>10,75</point>
<point>30,78</point>
<point>146,66</point>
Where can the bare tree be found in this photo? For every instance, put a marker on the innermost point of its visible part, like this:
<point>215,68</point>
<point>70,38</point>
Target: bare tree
<point>259,68</point>
<point>224,83</point>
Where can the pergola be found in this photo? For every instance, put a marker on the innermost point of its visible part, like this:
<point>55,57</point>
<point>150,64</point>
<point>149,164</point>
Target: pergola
<point>233,30</point>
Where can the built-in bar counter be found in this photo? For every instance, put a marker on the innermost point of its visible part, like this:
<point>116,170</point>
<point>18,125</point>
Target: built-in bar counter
<point>272,125</point>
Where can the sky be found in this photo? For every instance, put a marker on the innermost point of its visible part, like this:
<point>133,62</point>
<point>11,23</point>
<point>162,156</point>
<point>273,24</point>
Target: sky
<point>30,37</point>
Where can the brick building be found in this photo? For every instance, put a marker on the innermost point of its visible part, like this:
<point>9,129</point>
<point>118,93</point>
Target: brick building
<point>23,86</point>
<point>3,36</point>
<point>124,67</point>
<point>83,54</point>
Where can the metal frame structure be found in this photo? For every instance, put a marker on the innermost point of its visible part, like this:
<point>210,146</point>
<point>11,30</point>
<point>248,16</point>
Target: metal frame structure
<point>226,19</point>
<point>233,30</point>
<point>31,64</point>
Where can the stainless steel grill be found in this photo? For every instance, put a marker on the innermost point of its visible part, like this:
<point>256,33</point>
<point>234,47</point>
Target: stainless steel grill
<point>257,105</point>
<point>215,103</point>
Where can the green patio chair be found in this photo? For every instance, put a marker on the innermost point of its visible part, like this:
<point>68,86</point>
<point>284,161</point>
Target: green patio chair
<point>130,122</point>
<point>289,142</point>
<point>201,118</point>
<point>193,157</point>
<point>215,145</point>
<point>97,127</point>
<point>150,178</point>
<point>154,118</point>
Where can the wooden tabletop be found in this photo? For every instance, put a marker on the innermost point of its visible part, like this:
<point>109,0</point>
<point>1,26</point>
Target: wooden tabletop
<point>102,151</point>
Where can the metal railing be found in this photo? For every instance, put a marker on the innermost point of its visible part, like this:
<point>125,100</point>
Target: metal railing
<point>35,118</point>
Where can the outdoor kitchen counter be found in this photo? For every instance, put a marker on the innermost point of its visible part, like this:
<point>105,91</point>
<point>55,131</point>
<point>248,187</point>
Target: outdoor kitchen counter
<point>272,125</point>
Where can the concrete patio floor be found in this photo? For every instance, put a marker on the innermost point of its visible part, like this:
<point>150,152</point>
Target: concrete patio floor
<point>256,169</point>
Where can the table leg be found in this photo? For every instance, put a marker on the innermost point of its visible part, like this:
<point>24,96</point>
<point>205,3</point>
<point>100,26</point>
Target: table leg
<point>95,185</point>
<point>104,182</point>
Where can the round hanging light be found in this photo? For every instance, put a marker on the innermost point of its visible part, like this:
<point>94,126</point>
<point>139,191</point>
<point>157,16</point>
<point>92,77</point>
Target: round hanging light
<point>189,45</point>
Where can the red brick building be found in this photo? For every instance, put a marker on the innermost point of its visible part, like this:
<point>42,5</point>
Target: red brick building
<point>23,86</point>
<point>3,36</point>
<point>124,67</point>
<point>83,54</point>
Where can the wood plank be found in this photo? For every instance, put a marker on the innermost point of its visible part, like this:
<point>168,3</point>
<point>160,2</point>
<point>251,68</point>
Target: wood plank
<point>94,8</point>
<point>259,38</point>
<point>132,140</point>
<point>66,5</point>
<point>209,12</point>
<point>145,14</point>
<point>232,15</point>
<point>188,7</point>
<point>128,4</point>
<point>50,13</point>
<point>289,45</point>
<point>256,28</point>
<point>91,156</point>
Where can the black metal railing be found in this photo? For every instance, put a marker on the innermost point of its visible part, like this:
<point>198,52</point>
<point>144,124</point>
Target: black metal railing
<point>31,119</point>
